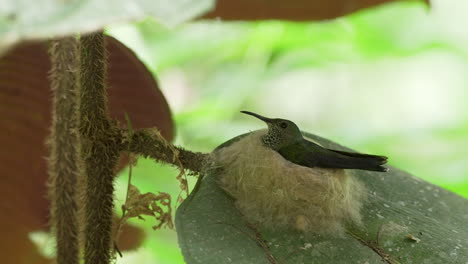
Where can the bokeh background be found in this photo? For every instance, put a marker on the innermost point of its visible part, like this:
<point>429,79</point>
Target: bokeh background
<point>390,80</point>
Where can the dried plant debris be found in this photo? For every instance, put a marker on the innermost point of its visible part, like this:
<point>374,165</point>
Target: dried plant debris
<point>413,238</point>
<point>390,230</point>
<point>149,204</point>
<point>181,177</point>
<point>275,193</point>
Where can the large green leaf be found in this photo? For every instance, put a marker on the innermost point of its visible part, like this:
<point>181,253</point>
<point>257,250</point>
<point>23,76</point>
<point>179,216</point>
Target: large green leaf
<point>405,220</point>
<point>33,19</point>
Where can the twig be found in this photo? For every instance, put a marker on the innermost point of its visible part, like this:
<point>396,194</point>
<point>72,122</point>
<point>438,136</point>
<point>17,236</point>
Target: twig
<point>122,219</point>
<point>148,143</point>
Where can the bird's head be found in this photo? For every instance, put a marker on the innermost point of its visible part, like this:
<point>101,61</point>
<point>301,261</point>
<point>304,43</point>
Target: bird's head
<point>281,132</point>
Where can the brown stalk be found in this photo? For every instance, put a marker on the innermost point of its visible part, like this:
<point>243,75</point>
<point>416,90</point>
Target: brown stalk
<point>64,142</point>
<point>100,150</point>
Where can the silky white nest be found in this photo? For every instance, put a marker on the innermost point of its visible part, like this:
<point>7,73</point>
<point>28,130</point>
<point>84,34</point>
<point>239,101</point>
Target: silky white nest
<point>273,192</point>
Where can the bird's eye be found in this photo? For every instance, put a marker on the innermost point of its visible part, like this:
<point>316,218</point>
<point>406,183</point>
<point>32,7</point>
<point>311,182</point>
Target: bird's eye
<point>283,125</point>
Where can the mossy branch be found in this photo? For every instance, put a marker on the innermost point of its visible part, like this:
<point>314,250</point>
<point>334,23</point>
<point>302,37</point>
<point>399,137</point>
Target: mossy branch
<point>100,150</point>
<point>149,143</point>
<point>64,142</point>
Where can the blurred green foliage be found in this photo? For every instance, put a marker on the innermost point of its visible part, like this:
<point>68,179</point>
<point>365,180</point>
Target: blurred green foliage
<point>387,81</point>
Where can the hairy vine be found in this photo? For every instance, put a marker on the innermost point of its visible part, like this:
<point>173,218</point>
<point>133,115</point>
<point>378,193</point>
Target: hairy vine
<point>86,141</point>
<point>64,142</point>
<point>100,150</point>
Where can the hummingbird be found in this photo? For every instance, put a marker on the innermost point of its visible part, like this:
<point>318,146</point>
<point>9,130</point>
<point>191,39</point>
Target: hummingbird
<point>285,137</point>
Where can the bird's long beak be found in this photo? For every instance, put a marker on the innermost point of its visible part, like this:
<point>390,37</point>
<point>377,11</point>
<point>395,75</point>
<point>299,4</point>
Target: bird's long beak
<point>265,119</point>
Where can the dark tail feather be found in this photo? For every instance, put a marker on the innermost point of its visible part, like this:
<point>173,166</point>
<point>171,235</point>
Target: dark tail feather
<point>349,160</point>
<point>359,155</point>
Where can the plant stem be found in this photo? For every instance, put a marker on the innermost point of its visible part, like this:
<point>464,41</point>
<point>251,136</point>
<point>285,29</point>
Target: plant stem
<point>100,150</point>
<point>64,142</point>
<point>149,143</point>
